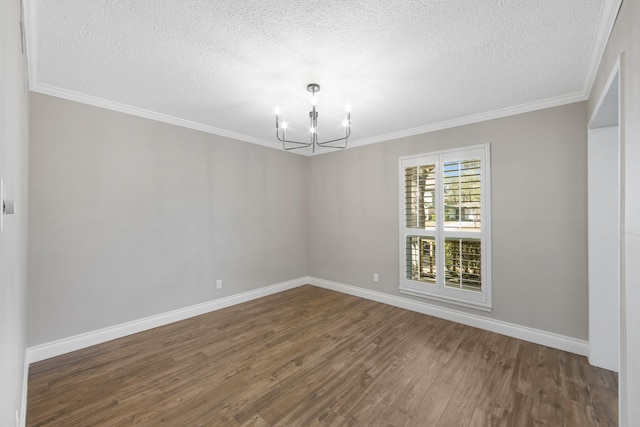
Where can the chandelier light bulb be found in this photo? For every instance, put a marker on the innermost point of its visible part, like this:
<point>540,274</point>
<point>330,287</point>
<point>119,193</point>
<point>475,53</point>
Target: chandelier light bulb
<point>284,125</point>
<point>312,130</point>
<point>277,111</point>
<point>314,101</point>
<point>345,122</point>
<point>347,108</point>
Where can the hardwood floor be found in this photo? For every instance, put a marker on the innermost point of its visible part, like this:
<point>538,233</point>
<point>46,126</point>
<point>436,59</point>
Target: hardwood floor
<point>314,357</point>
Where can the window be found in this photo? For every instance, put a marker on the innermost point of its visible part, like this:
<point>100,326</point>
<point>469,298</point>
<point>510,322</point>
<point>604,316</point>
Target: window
<point>445,223</point>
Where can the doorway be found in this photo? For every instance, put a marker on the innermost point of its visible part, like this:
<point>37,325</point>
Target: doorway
<point>604,174</point>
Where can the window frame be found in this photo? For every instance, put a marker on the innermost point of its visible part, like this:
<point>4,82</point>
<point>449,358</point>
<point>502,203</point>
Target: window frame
<point>482,299</point>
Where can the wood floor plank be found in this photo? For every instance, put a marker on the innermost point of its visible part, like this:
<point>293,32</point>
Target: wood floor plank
<point>314,357</point>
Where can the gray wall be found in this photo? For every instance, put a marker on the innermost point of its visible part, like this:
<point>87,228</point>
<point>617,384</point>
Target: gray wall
<point>13,243</point>
<point>624,38</point>
<point>539,202</point>
<point>131,217</point>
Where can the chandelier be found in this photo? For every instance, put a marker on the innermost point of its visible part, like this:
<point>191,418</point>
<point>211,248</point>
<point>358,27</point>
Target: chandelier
<point>288,144</point>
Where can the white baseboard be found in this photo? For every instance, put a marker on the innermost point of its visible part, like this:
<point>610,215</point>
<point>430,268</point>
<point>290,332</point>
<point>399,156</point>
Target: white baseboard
<point>603,362</point>
<point>77,342</point>
<point>536,336</point>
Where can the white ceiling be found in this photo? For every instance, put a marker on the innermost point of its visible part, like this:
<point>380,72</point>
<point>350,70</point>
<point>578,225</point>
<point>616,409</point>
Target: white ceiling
<point>405,66</point>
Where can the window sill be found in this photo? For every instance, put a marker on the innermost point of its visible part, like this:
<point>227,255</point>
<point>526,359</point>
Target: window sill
<point>447,299</point>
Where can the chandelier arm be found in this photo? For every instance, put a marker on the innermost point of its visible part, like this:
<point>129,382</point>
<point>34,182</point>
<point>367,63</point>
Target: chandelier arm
<point>326,144</point>
<point>286,141</point>
<point>333,141</point>
<point>344,138</point>
<point>290,141</point>
<point>313,118</point>
<point>300,145</point>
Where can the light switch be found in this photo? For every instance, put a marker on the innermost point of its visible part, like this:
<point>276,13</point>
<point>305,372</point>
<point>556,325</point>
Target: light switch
<point>7,207</point>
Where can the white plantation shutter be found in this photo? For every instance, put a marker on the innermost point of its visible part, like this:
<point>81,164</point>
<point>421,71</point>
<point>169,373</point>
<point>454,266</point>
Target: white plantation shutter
<point>445,222</point>
<point>420,187</point>
<point>463,265</point>
<point>462,194</point>
<point>421,258</point>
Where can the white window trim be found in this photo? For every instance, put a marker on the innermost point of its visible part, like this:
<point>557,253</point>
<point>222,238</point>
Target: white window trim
<point>477,300</point>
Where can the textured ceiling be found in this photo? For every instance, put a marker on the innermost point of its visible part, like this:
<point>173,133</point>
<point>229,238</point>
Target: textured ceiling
<point>404,66</point>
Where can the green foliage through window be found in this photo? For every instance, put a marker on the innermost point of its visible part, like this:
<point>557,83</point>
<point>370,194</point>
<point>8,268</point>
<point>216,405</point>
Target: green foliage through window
<point>462,261</point>
<point>421,259</point>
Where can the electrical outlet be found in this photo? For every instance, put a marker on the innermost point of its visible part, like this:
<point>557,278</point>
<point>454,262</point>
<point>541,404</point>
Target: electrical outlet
<point>219,284</point>
<point>376,277</point>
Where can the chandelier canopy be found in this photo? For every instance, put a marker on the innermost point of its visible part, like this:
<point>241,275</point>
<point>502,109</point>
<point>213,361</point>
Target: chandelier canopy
<point>288,144</point>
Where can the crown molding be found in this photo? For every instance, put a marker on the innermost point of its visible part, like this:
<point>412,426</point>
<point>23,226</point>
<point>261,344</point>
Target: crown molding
<point>152,115</point>
<point>148,114</point>
<point>606,20</point>
<point>475,118</point>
